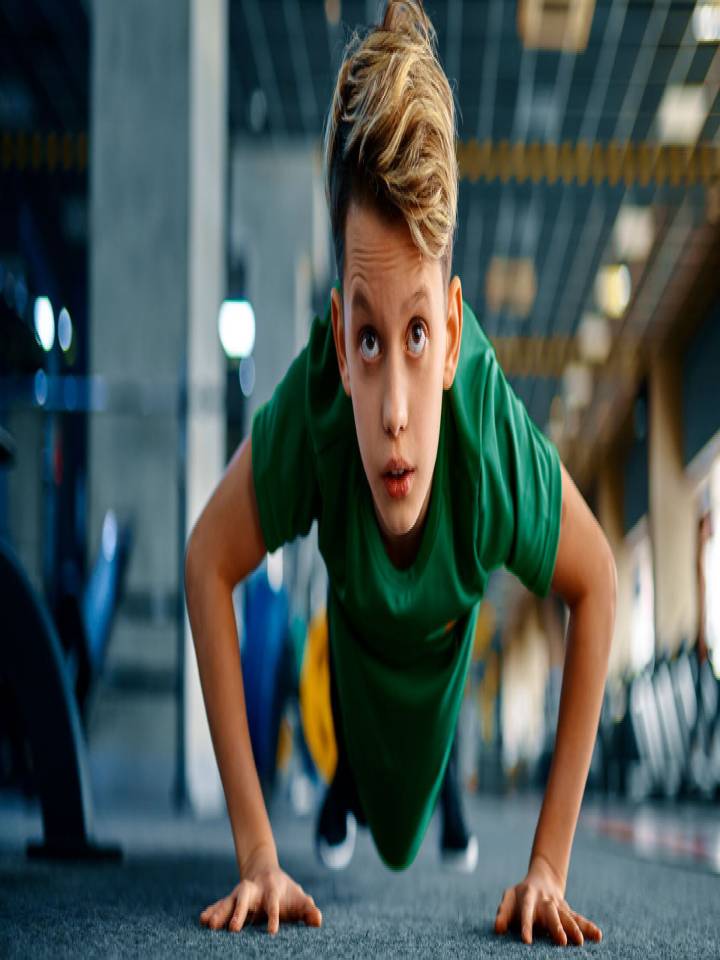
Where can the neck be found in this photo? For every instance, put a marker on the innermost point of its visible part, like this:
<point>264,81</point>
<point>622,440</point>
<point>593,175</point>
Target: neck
<point>403,549</point>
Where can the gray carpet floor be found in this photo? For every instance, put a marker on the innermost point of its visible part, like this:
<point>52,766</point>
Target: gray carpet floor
<point>150,903</point>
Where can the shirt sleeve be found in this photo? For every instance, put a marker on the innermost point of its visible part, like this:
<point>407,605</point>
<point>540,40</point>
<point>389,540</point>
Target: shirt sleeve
<point>520,488</point>
<point>283,463</point>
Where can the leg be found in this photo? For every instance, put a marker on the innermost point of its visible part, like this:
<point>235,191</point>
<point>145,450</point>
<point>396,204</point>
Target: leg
<point>343,780</point>
<point>458,849</point>
<point>336,825</point>
<point>454,832</point>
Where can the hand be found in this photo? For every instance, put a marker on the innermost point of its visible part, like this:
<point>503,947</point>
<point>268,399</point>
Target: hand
<point>265,890</point>
<point>540,898</point>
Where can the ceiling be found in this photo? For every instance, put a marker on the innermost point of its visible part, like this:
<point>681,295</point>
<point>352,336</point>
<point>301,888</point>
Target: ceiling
<point>283,56</point>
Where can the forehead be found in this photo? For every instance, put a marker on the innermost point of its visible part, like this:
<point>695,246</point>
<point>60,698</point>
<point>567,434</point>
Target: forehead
<point>384,270</point>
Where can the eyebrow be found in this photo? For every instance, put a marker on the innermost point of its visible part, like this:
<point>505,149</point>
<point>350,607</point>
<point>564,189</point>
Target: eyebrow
<point>360,301</point>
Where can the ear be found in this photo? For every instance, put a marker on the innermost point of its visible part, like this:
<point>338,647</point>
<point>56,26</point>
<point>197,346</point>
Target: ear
<point>338,328</point>
<point>453,334</point>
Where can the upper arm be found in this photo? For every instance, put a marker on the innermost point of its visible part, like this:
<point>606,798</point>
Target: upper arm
<point>520,487</point>
<point>228,532</point>
<point>584,559</point>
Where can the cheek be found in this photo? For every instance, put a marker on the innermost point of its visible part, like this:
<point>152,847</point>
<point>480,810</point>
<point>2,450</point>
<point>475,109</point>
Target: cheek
<point>363,413</point>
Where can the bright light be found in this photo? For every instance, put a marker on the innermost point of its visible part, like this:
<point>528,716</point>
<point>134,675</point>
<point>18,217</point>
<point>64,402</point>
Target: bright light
<point>236,325</point>
<point>594,338</point>
<point>45,323</point>
<point>682,113</point>
<point>633,232</point>
<point>65,330</point>
<point>577,384</point>
<point>613,288</point>
<point>706,22</point>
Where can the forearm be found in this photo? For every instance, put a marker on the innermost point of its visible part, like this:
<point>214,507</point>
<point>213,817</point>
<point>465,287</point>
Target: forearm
<point>584,674</point>
<point>212,618</point>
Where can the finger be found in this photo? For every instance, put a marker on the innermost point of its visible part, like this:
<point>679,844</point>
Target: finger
<point>273,911</point>
<point>306,909</point>
<point>207,911</point>
<point>571,926</point>
<point>222,913</point>
<point>553,923</point>
<point>237,921</point>
<point>505,910</point>
<point>313,916</point>
<point>527,915</point>
<point>589,928</point>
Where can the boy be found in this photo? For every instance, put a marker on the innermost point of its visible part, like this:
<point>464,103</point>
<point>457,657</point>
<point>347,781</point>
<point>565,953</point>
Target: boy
<point>397,430</point>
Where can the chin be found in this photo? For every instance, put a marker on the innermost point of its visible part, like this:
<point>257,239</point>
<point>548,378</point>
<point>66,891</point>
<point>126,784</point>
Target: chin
<point>399,518</point>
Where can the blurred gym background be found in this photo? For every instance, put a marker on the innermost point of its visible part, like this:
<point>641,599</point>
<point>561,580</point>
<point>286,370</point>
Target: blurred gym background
<point>164,246</point>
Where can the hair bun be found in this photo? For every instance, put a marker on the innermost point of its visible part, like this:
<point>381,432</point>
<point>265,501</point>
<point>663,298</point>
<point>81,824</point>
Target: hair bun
<point>409,17</point>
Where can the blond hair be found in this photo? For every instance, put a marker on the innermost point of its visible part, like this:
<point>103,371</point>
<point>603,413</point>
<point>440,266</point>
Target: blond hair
<point>389,137</point>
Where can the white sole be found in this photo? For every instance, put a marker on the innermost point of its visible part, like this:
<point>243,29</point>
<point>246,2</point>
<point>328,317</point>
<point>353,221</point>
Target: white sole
<point>338,856</point>
<point>463,861</point>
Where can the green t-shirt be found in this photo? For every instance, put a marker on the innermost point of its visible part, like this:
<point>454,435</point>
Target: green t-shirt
<point>402,639</point>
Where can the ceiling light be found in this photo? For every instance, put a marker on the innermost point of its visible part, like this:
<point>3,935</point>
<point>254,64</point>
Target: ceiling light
<point>560,25</point>
<point>612,289</point>
<point>634,232</point>
<point>44,323</point>
<point>577,386</point>
<point>236,326</point>
<point>594,339</point>
<point>706,22</point>
<point>682,113</point>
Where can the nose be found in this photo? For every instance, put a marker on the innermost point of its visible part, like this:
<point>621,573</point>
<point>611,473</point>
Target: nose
<point>395,401</point>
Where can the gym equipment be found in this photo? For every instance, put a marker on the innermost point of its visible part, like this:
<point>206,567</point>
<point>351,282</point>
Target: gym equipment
<point>659,732</point>
<point>315,707</point>
<point>670,726</point>
<point>704,760</point>
<point>32,664</point>
<point>84,618</point>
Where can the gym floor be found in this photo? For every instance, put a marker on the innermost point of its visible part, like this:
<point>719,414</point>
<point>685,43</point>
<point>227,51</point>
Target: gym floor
<point>648,875</point>
<point>650,897</point>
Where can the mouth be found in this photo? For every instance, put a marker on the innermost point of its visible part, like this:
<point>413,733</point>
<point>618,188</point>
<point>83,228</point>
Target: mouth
<point>398,482</point>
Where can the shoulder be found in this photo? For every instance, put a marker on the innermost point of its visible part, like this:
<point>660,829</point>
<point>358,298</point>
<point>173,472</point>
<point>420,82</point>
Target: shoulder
<point>475,376</point>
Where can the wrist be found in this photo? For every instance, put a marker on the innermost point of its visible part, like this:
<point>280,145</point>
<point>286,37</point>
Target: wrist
<point>263,855</point>
<point>540,862</point>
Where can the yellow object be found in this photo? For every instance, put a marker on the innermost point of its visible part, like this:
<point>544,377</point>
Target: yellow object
<point>484,629</point>
<point>315,707</point>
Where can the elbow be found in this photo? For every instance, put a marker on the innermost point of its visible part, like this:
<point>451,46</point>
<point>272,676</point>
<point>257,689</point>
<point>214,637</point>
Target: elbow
<point>598,590</point>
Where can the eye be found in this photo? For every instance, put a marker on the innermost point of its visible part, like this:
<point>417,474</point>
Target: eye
<point>366,335</point>
<point>417,325</point>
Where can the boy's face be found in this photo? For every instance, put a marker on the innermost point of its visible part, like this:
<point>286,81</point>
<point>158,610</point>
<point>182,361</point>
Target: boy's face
<point>396,355</point>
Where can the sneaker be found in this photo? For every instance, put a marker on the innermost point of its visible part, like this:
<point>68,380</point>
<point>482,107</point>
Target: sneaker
<point>335,833</point>
<point>462,859</point>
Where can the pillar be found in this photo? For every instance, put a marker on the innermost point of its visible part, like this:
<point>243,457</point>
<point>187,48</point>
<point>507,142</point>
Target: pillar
<point>157,278</point>
<point>672,510</point>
